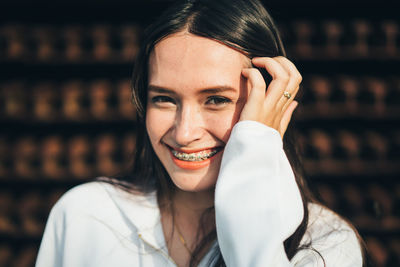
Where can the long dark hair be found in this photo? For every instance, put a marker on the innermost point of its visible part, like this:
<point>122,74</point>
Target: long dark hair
<point>244,25</point>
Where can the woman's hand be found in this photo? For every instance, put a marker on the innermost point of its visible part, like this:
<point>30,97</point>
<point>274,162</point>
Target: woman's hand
<point>273,106</point>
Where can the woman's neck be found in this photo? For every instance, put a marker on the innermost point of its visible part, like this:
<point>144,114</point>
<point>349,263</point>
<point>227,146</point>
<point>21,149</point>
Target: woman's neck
<point>190,217</point>
<point>192,204</point>
<point>190,211</point>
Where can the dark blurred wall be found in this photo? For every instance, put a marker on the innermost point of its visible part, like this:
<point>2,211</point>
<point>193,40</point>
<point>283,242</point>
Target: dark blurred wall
<point>66,115</point>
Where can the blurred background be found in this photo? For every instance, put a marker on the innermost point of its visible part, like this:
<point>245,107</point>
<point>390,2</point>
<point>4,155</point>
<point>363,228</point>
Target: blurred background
<point>66,115</point>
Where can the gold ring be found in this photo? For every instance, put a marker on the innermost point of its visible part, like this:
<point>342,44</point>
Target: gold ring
<point>287,94</point>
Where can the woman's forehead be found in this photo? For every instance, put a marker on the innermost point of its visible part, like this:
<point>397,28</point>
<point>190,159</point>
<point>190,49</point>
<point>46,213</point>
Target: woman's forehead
<point>181,46</point>
<point>184,59</point>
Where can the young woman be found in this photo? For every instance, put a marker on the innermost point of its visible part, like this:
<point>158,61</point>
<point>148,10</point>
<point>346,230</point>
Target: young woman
<point>215,180</point>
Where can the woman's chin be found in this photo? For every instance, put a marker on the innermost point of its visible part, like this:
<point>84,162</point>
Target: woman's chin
<point>195,179</point>
<point>195,182</point>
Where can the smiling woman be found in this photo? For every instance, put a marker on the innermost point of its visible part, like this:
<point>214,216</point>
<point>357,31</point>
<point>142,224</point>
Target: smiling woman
<point>216,181</point>
<point>205,96</point>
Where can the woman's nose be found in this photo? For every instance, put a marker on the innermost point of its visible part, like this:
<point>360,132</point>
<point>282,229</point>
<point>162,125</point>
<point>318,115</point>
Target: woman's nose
<point>188,125</point>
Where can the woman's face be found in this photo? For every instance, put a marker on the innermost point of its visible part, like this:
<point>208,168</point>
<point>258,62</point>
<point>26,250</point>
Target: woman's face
<point>195,96</point>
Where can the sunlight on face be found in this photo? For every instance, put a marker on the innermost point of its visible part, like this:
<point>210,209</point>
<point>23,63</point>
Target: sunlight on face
<point>196,93</point>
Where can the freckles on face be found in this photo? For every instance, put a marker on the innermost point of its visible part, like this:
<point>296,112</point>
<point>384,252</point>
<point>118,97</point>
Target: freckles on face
<point>196,93</point>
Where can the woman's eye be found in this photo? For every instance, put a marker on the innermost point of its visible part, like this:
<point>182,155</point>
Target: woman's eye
<point>162,99</point>
<point>218,100</point>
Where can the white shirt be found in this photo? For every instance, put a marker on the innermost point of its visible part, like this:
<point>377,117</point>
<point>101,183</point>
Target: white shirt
<point>257,204</point>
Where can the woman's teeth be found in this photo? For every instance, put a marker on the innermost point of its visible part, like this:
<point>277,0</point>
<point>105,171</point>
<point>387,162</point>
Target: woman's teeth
<point>199,156</point>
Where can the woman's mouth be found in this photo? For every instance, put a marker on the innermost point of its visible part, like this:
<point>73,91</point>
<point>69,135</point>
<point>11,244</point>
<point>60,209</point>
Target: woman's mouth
<point>198,156</point>
<point>194,160</point>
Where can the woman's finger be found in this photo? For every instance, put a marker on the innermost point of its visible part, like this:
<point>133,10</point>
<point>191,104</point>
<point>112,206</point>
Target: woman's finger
<point>256,82</point>
<point>287,116</point>
<point>252,110</point>
<point>290,68</point>
<point>294,81</point>
<point>286,100</point>
<point>280,78</point>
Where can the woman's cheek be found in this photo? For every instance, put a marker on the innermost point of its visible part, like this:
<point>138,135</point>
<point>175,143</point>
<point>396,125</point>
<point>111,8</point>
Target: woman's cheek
<point>221,124</point>
<point>158,122</point>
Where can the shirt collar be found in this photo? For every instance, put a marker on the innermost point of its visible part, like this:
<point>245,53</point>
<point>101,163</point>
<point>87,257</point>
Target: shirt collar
<point>141,212</point>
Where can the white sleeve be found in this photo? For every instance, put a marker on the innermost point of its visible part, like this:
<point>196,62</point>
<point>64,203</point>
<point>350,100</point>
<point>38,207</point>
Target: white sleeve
<point>331,248</point>
<point>257,201</point>
<point>51,251</point>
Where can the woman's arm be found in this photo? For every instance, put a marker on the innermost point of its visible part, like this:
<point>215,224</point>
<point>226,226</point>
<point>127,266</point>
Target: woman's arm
<point>257,201</point>
<point>258,206</point>
<point>254,215</point>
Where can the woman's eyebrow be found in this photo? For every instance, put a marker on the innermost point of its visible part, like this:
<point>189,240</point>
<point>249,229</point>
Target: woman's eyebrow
<point>161,90</point>
<point>208,90</point>
<point>217,89</point>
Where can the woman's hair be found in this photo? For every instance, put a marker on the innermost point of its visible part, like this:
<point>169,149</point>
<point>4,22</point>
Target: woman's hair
<point>244,25</point>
